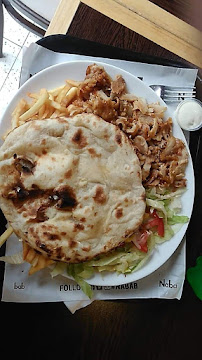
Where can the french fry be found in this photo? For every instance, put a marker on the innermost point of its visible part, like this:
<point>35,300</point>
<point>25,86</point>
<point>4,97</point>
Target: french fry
<point>21,108</point>
<point>55,92</point>
<point>5,134</point>
<point>49,111</point>
<point>41,111</point>
<point>62,94</point>
<point>15,122</point>
<point>51,97</point>
<point>57,106</point>
<point>38,261</point>
<point>31,256</point>
<point>25,249</point>
<point>71,94</point>
<point>73,82</point>
<point>55,114</point>
<point>45,113</point>
<point>41,264</point>
<point>34,267</point>
<point>33,95</point>
<point>35,108</point>
<point>6,235</point>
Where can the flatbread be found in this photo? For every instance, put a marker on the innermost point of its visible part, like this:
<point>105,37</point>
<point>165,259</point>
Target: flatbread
<point>71,187</point>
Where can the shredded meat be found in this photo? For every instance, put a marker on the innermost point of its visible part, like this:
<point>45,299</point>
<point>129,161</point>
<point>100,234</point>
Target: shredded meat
<point>103,108</point>
<point>163,158</point>
<point>97,78</point>
<point>118,86</point>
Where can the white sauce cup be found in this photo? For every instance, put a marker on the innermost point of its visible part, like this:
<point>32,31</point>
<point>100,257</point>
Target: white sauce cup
<point>189,114</point>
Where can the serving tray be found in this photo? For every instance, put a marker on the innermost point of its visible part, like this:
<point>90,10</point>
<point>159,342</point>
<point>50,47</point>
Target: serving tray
<point>69,44</point>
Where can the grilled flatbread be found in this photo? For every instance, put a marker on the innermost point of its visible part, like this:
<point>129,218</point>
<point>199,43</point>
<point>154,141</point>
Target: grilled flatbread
<point>71,187</point>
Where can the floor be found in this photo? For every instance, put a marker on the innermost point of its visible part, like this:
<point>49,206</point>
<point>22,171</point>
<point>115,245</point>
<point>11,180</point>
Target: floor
<point>15,38</point>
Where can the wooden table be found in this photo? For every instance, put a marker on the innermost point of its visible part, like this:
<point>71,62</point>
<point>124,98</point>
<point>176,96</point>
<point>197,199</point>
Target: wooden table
<point>150,329</point>
<point>165,28</point>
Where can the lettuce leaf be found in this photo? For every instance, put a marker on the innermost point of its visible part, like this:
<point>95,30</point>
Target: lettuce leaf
<point>75,271</point>
<point>177,219</point>
<point>85,287</point>
<point>58,269</point>
<point>154,195</point>
<point>15,259</point>
<point>158,205</point>
<point>78,272</point>
<point>168,234</point>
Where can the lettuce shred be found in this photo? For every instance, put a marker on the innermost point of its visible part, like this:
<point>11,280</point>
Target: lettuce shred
<point>15,259</point>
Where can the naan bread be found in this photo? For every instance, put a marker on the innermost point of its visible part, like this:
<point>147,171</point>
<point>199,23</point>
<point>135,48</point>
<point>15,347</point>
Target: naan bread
<point>71,187</point>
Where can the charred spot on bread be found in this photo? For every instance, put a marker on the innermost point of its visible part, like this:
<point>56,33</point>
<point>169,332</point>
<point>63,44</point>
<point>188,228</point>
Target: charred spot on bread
<point>68,174</point>
<point>80,139</point>
<point>118,138</point>
<point>78,227</point>
<point>51,236</point>
<point>23,165</point>
<point>41,214</point>
<point>43,247</point>
<point>99,196</point>
<point>63,198</point>
<point>72,243</point>
<point>119,213</point>
<point>93,153</point>
<point>67,198</point>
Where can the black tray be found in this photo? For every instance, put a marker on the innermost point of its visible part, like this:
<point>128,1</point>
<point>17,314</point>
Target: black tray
<point>69,44</point>
<point>73,45</point>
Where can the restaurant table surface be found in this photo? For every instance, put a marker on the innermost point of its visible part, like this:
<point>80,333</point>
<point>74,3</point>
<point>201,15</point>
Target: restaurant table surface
<point>132,329</point>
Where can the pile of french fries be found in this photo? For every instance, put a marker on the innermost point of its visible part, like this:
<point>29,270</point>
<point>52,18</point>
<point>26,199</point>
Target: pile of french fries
<point>45,104</point>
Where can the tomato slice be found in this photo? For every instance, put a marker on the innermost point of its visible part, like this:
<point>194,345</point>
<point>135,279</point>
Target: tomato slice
<point>152,223</point>
<point>161,227</point>
<point>154,214</point>
<point>156,221</point>
<point>141,241</point>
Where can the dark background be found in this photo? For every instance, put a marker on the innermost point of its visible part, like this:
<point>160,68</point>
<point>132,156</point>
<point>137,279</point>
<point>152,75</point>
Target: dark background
<point>150,329</point>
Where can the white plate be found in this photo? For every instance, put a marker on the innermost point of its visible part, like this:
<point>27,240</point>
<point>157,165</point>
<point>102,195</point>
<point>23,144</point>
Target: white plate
<point>55,76</point>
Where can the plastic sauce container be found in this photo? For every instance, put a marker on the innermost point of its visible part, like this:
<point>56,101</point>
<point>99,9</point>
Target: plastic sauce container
<point>189,114</point>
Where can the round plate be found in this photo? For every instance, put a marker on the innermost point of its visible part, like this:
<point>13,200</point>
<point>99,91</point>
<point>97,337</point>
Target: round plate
<point>55,76</point>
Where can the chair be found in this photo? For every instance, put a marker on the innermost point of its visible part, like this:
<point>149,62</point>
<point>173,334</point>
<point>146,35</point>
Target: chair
<point>33,15</point>
<point>1,27</point>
